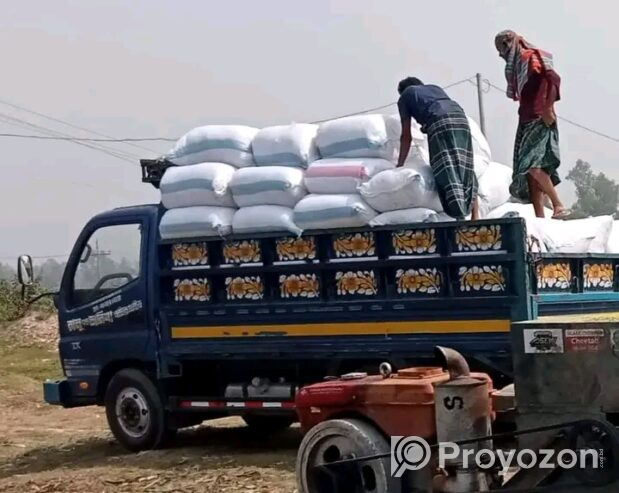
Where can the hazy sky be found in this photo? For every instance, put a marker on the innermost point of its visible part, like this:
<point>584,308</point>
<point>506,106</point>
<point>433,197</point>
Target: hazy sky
<point>158,68</point>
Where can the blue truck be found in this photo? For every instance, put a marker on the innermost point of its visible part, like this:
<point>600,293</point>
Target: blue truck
<point>181,331</point>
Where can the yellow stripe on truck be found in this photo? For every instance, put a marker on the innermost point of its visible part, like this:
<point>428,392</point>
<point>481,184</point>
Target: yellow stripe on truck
<point>344,328</point>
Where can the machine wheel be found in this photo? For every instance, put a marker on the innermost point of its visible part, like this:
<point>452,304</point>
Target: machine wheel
<point>597,436</point>
<point>339,439</point>
<point>268,424</point>
<point>135,413</point>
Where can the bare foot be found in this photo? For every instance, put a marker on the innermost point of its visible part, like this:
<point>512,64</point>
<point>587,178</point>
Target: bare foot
<point>560,213</point>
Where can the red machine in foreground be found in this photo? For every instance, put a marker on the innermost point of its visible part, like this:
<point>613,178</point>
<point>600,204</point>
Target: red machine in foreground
<point>383,434</point>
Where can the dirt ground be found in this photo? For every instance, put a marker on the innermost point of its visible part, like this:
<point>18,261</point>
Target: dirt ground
<point>46,449</point>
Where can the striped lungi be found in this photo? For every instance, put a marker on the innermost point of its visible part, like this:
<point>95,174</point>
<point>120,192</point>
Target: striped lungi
<point>451,158</point>
<point>537,146</point>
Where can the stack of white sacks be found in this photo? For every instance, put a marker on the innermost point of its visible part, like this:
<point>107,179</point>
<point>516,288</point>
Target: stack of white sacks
<point>290,178</point>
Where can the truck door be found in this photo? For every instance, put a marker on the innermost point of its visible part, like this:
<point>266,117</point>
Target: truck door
<point>102,302</point>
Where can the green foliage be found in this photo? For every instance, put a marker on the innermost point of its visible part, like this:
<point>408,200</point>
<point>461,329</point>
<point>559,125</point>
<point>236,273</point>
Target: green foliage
<point>597,195</point>
<point>12,306</point>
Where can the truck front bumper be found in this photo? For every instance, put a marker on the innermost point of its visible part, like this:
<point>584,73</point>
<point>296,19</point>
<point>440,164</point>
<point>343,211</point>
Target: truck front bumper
<point>57,392</point>
<point>70,392</point>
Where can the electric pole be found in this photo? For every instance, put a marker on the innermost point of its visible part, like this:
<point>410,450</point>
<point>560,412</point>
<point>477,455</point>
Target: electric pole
<point>98,254</point>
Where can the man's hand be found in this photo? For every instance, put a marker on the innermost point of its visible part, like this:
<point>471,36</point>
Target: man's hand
<point>549,117</point>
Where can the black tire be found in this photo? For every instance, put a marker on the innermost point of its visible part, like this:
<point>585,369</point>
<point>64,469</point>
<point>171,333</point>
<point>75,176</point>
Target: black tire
<point>268,424</point>
<point>135,412</point>
<point>339,439</point>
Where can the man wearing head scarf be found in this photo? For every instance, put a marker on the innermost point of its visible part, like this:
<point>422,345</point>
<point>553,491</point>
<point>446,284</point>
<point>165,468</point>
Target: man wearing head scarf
<point>449,140</point>
<point>532,81</point>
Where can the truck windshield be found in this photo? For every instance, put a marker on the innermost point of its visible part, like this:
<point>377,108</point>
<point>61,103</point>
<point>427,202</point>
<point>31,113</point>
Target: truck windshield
<point>114,261</point>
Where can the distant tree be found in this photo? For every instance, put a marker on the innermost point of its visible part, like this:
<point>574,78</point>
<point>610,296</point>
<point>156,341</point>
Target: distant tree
<point>7,272</point>
<point>596,194</point>
<point>49,274</point>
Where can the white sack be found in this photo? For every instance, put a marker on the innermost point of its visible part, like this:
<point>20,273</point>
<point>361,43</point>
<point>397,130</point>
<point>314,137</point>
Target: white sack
<point>405,216</point>
<point>264,219</point>
<point>197,184</point>
<point>286,145</point>
<point>268,185</point>
<point>403,188</point>
<point>394,131</point>
<point>613,239</point>
<point>480,165</point>
<point>332,211</point>
<point>577,235</point>
<point>194,222</point>
<point>494,185</point>
<point>230,144</point>
<point>514,209</point>
<point>481,147</point>
<point>443,217</point>
<point>589,235</point>
<point>418,158</point>
<point>525,211</point>
<point>337,175</point>
<point>355,136</point>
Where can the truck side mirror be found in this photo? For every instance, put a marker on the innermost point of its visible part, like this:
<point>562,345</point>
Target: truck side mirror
<point>25,271</point>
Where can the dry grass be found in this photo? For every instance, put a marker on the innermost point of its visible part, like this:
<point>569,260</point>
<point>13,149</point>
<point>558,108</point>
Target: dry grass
<point>49,449</point>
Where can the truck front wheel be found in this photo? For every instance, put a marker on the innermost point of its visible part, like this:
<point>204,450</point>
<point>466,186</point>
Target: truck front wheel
<point>135,412</point>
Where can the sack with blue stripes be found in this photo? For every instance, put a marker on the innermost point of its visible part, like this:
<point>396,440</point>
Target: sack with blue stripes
<point>355,136</point>
<point>286,145</point>
<point>197,184</point>
<point>268,185</point>
<point>195,222</point>
<point>332,211</point>
<point>230,144</point>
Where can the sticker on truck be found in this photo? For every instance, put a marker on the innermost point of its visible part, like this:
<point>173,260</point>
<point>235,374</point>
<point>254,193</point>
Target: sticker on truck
<point>543,341</point>
<point>103,318</point>
<point>585,340</point>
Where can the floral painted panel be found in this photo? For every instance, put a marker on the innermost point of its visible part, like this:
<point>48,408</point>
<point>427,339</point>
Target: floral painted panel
<point>555,276</point>
<point>357,283</point>
<point>418,281</point>
<point>244,288</point>
<point>189,254</point>
<point>479,238</point>
<point>291,249</point>
<point>414,241</point>
<point>192,289</point>
<point>482,278</point>
<point>299,286</point>
<point>354,245</point>
<point>242,252</point>
<point>598,276</point>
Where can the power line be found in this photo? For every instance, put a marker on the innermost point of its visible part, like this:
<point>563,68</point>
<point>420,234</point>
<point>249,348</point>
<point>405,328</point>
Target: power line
<point>368,110</point>
<point>69,124</point>
<point>35,257</point>
<point>384,106</point>
<point>18,122</point>
<point>566,120</point>
<point>81,140</point>
<point>87,139</point>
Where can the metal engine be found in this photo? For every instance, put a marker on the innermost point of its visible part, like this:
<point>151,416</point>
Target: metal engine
<point>430,430</point>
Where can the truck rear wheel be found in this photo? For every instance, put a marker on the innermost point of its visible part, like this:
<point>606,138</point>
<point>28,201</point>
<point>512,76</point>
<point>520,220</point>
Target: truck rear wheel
<point>268,424</point>
<point>135,413</point>
<point>336,440</point>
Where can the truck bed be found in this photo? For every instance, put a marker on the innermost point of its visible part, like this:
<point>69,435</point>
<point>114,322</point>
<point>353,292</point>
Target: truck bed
<point>382,292</point>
